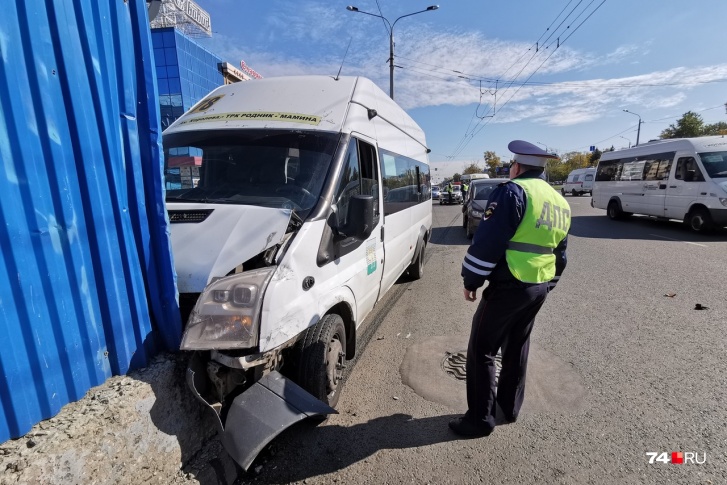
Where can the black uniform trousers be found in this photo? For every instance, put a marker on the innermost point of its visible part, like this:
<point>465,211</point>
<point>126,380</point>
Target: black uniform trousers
<point>504,319</point>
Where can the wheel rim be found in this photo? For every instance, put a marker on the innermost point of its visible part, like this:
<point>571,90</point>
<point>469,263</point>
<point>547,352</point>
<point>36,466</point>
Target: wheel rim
<point>612,211</point>
<point>334,364</point>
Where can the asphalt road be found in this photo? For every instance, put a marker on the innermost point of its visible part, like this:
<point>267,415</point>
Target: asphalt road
<point>618,369</point>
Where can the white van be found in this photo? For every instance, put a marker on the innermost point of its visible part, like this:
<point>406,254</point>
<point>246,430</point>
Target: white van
<point>295,204</point>
<point>684,179</point>
<point>579,182</point>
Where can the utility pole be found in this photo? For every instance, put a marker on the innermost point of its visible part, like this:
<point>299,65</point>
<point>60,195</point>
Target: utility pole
<point>638,131</point>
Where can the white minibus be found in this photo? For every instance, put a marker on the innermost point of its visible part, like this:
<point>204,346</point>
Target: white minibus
<point>295,203</point>
<point>684,179</point>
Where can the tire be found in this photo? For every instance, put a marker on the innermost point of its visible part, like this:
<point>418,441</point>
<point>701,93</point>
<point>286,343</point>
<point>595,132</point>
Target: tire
<point>321,354</point>
<point>416,269</point>
<point>470,234</point>
<point>699,220</point>
<point>573,192</point>
<point>614,212</point>
<point>464,222</point>
<point>562,192</point>
<point>440,202</point>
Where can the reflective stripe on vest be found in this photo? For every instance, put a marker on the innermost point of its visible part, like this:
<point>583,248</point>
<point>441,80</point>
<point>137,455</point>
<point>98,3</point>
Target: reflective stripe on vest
<point>544,225</point>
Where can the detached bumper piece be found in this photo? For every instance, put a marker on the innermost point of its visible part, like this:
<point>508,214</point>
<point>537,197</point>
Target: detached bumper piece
<point>263,411</point>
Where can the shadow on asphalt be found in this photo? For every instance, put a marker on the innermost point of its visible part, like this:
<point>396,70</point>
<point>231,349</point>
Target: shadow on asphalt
<point>449,236</point>
<point>312,451</point>
<point>639,227</point>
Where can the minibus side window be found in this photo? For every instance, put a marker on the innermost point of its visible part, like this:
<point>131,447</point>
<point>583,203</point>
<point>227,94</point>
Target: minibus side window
<point>688,170</point>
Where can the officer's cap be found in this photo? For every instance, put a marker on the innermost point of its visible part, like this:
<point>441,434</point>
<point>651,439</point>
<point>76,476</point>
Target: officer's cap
<point>528,154</point>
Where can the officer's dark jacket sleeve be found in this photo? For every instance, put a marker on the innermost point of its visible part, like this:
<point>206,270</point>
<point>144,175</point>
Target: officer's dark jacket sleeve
<point>560,262</point>
<point>506,207</point>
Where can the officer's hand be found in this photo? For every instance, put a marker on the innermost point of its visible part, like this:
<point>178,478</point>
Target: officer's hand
<point>470,295</point>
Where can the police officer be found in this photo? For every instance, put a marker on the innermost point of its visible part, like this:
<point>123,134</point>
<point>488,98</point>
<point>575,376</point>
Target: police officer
<point>465,189</point>
<point>450,192</point>
<point>519,248</point>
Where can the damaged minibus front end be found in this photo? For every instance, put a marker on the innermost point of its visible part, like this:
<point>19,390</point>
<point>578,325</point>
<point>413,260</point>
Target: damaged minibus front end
<point>235,212</point>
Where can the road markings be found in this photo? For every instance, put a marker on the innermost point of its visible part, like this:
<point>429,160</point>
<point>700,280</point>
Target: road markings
<point>679,240</point>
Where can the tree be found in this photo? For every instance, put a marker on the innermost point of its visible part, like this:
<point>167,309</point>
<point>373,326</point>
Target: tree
<point>688,126</point>
<point>472,168</point>
<point>492,161</point>
<point>456,177</point>
<point>595,157</point>
<point>719,128</point>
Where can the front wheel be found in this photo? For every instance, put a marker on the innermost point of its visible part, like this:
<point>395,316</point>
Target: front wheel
<point>321,356</point>
<point>562,192</point>
<point>699,220</point>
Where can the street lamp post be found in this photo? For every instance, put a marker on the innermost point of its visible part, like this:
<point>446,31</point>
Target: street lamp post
<point>638,131</point>
<point>391,38</point>
<point>626,140</point>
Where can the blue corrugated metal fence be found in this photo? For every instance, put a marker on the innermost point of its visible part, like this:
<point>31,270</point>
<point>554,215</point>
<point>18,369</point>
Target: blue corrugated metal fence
<point>87,284</point>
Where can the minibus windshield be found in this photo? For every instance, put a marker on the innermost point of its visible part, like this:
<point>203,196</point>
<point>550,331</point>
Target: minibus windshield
<point>271,168</point>
<point>715,163</point>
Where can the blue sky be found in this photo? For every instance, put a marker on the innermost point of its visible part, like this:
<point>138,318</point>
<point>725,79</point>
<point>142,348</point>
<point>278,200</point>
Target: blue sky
<point>653,57</point>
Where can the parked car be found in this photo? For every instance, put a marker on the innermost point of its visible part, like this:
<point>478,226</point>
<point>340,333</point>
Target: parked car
<point>435,192</point>
<point>580,181</point>
<point>474,207</point>
<point>456,196</point>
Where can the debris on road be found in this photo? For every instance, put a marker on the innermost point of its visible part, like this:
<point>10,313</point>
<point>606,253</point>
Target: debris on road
<point>699,306</point>
<point>408,335</point>
<point>396,398</point>
<point>670,295</point>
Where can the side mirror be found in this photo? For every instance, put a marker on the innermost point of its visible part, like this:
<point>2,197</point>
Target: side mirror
<point>360,218</point>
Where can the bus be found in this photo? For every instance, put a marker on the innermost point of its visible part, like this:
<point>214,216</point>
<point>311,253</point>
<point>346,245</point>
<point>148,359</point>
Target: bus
<point>296,204</point>
<point>469,177</point>
<point>683,179</point>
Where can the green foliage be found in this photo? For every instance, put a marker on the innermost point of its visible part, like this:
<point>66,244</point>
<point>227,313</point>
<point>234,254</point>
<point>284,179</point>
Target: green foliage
<point>595,157</point>
<point>472,168</point>
<point>688,126</point>
<point>456,177</point>
<point>719,128</point>
<point>492,161</point>
<point>559,169</point>
<point>692,125</point>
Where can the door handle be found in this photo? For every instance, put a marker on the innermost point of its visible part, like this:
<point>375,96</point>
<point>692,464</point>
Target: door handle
<point>703,193</point>
<point>672,186</point>
<point>662,186</point>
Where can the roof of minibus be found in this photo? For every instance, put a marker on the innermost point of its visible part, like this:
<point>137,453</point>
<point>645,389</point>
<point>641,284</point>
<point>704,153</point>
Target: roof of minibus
<point>701,144</point>
<point>318,103</point>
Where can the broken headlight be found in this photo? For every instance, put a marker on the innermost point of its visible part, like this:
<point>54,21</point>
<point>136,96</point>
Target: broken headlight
<point>227,313</point>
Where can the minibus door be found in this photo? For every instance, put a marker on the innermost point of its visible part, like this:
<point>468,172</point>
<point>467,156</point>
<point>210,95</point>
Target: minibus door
<point>656,173</point>
<point>683,186</point>
<point>363,259</point>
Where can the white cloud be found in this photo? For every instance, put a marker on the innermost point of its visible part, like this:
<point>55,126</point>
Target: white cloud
<point>429,59</point>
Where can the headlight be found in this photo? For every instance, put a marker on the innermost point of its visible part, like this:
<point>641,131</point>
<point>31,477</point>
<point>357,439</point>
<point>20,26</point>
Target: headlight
<point>723,201</point>
<point>227,313</point>
<point>477,214</point>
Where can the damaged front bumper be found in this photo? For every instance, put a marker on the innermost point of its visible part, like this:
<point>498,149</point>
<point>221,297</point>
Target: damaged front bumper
<point>257,415</point>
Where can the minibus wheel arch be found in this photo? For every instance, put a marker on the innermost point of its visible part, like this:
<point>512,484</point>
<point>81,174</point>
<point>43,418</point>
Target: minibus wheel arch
<point>344,311</point>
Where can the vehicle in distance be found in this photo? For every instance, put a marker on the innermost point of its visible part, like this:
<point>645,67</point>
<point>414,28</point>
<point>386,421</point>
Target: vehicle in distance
<point>435,192</point>
<point>474,207</point>
<point>456,198</point>
<point>683,179</point>
<point>579,182</point>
